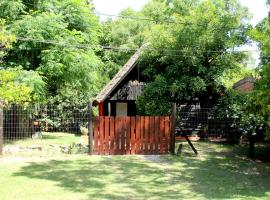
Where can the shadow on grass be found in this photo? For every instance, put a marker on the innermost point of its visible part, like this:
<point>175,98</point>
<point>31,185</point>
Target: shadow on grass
<point>213,176</point>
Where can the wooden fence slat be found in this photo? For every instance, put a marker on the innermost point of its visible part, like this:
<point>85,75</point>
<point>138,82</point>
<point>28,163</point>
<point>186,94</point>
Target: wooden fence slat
<point>152,134</point>
<point>96,135</point>
<point>112,136</point>
<point>101,135</point>
<point>133,134</point>
<point>171,139</point>
<point>167,134</point>
<point>146,135</point>
<point>122,132</point>
<point>162,134</point>
<point>138,134</point>
<point>157,146</point>
<point>128,136</point>
<point>117,124</point>
<point>142,136</point>
<point>106,133</point>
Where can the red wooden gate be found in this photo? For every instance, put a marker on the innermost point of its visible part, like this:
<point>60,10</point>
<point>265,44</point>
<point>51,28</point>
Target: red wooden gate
<point>147,135</point>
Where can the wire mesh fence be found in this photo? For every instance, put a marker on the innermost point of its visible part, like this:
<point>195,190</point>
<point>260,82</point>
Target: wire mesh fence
<point>23,122</point>
<point>205,123</point>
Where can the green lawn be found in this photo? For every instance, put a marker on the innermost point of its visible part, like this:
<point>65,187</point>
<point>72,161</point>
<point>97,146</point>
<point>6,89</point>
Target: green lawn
<point>218,172</point>
<point>49,139</point>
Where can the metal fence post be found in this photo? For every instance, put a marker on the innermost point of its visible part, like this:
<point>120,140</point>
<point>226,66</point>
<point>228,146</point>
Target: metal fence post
<point>90,128</point>
<point>1,128</point>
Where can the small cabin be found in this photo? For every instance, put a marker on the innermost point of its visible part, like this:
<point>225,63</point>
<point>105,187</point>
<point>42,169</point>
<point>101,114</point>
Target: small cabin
<point>118,97</point>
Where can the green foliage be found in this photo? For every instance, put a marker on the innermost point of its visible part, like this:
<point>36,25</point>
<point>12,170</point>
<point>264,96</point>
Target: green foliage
<point>5,39</point>
<point>260,97</point>
<point>126,33</point>
<point>19,86</point>
<point>10,10</point>
<point>235,107</point>
<point>154,100</point>
<point>192,51</point>
<point>50,35</point>
<point>231,76</point>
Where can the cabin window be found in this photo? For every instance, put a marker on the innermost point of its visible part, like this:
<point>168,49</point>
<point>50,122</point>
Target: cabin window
<point>121,109</point>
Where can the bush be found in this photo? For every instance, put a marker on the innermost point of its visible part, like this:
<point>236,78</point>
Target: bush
<point>235,107</point>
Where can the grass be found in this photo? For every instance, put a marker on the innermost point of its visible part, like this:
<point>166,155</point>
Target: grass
<point>49,139</point>
<point>218,172</point>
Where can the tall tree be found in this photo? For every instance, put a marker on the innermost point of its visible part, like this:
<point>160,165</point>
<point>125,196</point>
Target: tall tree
<point>191,45</point>
<point>125,33</point>
<point>58,39</point>
<point>5,39</point>
<point>260,103</point>
<point>16,85</point>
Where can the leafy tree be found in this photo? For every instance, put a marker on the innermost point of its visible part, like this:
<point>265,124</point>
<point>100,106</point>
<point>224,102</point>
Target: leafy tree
<point>234,108</point>
<point>231,76</point>
<point>260,102</point>
<point>126,33</point>
<point>51,38</point>
<point>5,39</point>
<point>18,86</point>
<point>10,10</point>
<point>191,47</point>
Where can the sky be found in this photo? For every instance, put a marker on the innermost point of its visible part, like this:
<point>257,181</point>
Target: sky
<point>257,8</point>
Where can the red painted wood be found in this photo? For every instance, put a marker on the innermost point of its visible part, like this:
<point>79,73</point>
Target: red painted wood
<point>157,143</point>
<point>167,134</point>
<point>96,135</point>
<point>112,136</point>
<point>117,125</point>
<point>152,134</point>
<point>146,135</point>
<point>141,143</point>
<point>107,135</point>
<point>101,109</point>
<point>162,134</point>
<point>128,136</point>
<point>170,135</point>
<point>101,135</point>
<point>123,139</point>
<point>133,134</point>
<point>138,134</point>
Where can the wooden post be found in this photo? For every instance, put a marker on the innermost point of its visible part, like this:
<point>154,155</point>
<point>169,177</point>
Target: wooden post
<point>172,150</point>
<point>90,128</point>
<point>1,128</point>
<point>251,145</point>
<point>190,144</point>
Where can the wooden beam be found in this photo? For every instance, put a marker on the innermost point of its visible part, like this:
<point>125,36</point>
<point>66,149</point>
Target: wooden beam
<point>251,145</point>
<point>101,109</point>
<point>190,144</point>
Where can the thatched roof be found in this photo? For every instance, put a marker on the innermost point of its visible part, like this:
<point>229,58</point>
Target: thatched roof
<point>118,78</point>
